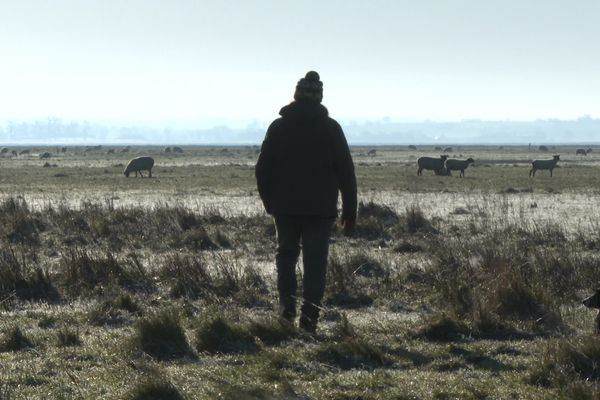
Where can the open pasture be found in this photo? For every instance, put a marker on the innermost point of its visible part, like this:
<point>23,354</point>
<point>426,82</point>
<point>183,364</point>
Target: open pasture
<point>450,288</point>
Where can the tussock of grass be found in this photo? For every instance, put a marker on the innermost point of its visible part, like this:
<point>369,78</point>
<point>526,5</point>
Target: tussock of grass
<point>375,221</point>
<point>569,359</point>
<point>20,224</point>
<point>81,272</point>
<point>351,354</point>
<point>353,279</point>
<point>443,328</point>
<point>68,337</point>
<point>415,221</point>
<point>406,246</point>
<point>154,390</point>
<point>25,279</point>
<point>161,336</point>
<point>15,340</point>
<point>272,331</point>
<point>193,277</point>
<point>221,336</point>
<point>113,311</point>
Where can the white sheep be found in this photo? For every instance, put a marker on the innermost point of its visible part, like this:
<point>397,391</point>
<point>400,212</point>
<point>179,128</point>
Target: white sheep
<point>543,164</point>
<point>453,164</point>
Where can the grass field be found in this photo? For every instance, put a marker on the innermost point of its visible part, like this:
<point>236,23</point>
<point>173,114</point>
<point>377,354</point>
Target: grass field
<point>450,288</point>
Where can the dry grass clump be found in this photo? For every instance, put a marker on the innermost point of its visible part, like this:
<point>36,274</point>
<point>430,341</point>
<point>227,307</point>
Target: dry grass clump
<point>375,221</point>
<point>570,361</point>
<point>18,223</point>
<point>23,278</point>
<point>221,336</point>
<point>83,273</point>
<point>161,336</point>
<point>115,310</point>
<point>67,337</point>
<point>352,354</point>
<point>353,279</point>
<point>15,340</point>
<point>497,280</point>
<point>154,389</point>
<point>272,331</point>
<point>217,277</point>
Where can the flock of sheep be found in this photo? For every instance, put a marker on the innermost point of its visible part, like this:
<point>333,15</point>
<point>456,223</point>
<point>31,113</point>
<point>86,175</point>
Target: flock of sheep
<point>444,165</point>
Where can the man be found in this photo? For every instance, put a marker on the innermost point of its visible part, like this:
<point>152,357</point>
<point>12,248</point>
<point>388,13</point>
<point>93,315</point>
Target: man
<point>303,163</point>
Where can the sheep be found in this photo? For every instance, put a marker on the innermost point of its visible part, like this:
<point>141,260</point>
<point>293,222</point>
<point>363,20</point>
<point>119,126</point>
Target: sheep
<point>594,302</point>
<point>453,164</point>
<point>543,164</point>
<point>582,152</point>
<point>177,149</point>
<point>435,164</point>
<point>139,164</point>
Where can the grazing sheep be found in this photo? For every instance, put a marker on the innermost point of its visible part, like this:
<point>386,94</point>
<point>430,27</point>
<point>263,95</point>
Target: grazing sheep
<point>25,151</point>
<point>45,155</point>
<point>435,164</point>
<point>448,150</point>
<point>372,152</point>
<point>139,164</point>
<point>412,147</point>
<point>544,164</point>
<point>594,302</point>
<point>177,149</point>
<point>582,152</point>
<point>453,164</point>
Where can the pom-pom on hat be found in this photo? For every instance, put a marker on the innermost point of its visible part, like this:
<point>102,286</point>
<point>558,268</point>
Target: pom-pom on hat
<point>309,88</point>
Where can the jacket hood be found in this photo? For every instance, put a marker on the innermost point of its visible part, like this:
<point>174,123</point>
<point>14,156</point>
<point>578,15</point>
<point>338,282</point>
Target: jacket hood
<point>299,110</point>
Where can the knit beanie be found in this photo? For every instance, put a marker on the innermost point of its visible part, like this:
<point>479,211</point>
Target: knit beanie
<point>309,88</point>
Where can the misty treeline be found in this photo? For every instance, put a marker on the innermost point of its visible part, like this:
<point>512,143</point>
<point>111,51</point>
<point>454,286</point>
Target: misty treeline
<point>52,130</point>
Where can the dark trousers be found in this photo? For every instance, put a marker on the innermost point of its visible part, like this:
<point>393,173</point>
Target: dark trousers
<point>314,233</point>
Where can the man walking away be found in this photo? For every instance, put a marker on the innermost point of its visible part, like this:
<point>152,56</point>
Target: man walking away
<point>304,162</point>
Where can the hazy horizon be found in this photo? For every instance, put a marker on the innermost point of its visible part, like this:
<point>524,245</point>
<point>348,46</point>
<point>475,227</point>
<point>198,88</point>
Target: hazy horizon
<point>149,61</point>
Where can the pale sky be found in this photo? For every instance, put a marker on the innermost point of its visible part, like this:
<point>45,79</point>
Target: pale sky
<point>151,60</point>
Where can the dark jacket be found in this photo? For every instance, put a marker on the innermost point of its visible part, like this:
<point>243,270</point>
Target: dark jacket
<point>304,161</point>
